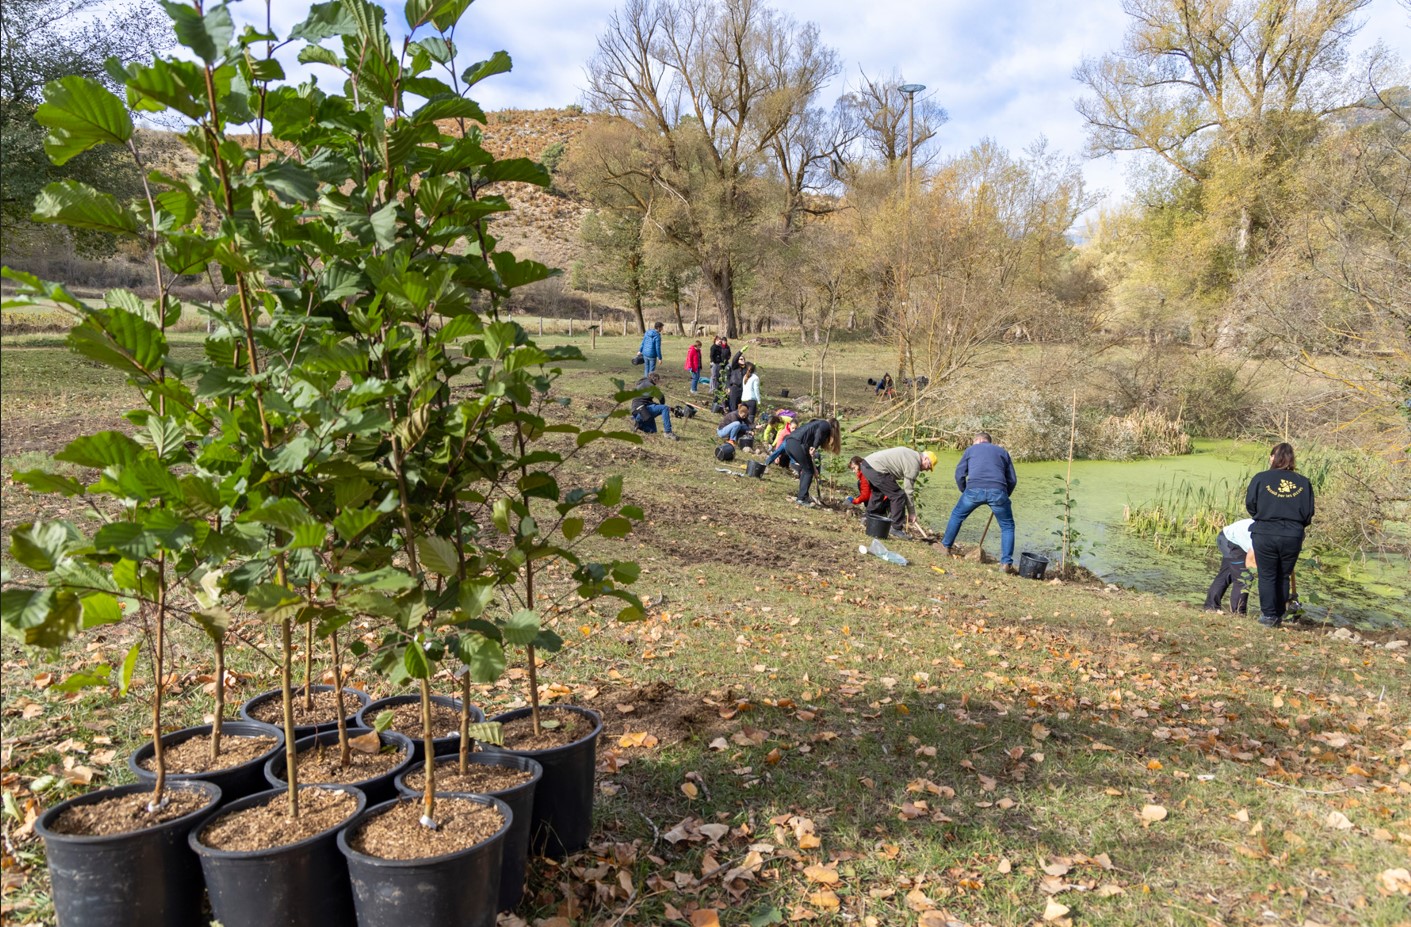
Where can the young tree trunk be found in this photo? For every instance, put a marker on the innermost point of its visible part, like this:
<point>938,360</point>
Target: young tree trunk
<point>634,290</point>
<point>219,718</point>
<point>696,312</point>
<point>721,281</point>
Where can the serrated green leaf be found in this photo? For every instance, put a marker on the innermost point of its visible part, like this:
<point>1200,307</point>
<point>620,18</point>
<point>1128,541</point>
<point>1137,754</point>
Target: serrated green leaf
<point>208,35</point>
<point>46,482</point>
<point>448,106</point>
<point>291,182</point>
<point>80,114</point>
<point>100,608</point>
<point>214,621</point>
<point>129,663</point>
<point>79,206</point>
<point>438,555</point>
<point>521,628</point>
<point>417,664</point>
<point>126,538</point>
<point>101,450</point>
<point>167,83</point>
<point>490,732</point>
<point>498,63</point>
<point>41,546</point>
<point>93,677</point>
<point>615,527</point>
<point>384,720</point>
<point>350,523</point>
<point>483,657</point>
<point>571,528</point>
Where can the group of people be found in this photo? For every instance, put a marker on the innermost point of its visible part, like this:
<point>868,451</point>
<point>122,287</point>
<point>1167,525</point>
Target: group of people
<point>1279,500</point>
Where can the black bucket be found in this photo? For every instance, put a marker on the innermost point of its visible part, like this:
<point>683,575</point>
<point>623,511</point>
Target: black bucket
<point>303,884</point>
<point>755,469</point>
<point>142,878</point>
<point>520,799</point>
<point>878,527</point>
<point>379,788</point>
<point>745,442</point>
<point>353,699</point>
<point>784,393</point>
<point>1032,566</point>
<point>459,888</point>
<point>235,781</point>
<point>451,743</point>
<point>563,802</point>
<point>690,412</point>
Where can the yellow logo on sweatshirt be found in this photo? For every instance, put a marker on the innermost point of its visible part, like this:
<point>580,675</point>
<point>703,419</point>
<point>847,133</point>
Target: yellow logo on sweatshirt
<point>1286,489</point>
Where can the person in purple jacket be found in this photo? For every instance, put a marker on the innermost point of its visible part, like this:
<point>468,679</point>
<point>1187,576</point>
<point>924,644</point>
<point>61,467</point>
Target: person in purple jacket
<point>985,476</point>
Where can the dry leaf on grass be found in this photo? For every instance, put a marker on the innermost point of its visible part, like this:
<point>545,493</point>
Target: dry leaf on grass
<point>1153,813</point>
<point>825,874</point>
<point>916,900</point>
<point>1054,910</point>
<point>689,789</point>
<point>1395,882</point>
<point>1338,821</point>
<point>637,739</point>
<point>705,917</point>
<point>826,899</point>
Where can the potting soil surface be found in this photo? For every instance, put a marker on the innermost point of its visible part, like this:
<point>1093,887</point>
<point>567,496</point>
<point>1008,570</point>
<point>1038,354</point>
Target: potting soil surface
<point>519,733</point>
<point>194,755</point>
<point>477,778</point>
<point>406,719</point>
<point>398,833</point>
<point>126,813</point>
<point>321,764</point>
<point>324,710</point>
<point>267,826</point>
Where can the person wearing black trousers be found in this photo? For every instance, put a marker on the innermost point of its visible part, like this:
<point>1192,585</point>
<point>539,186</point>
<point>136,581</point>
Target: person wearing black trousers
<point>1236,556</point>
<point>719,357</point>
<point>800,447</point>
<point>735,379</point>
<point>1280,500</point>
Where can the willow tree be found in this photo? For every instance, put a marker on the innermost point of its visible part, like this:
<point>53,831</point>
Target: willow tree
<point>1220,87</point>
<point>714,92</point>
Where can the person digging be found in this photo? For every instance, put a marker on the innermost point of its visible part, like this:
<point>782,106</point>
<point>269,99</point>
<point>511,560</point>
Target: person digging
<point>892,474</point>
<point>985,476</point>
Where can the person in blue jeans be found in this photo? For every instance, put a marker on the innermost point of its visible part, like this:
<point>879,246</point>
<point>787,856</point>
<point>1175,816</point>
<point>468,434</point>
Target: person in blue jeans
<point>985,476</point>
<point>645,407</point>
<point>802,445</point>
<point>651,349</point>
<point>735,425</point>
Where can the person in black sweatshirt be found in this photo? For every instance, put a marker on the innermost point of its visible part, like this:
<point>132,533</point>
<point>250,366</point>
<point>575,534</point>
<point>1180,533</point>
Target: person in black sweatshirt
<point>800,447</point>
<point>1280,501</point>
<point>735,379</point>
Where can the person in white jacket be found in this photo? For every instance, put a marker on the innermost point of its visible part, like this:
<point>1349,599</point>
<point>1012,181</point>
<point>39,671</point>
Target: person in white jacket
<point>750,395</point>
<point>1236,549</point>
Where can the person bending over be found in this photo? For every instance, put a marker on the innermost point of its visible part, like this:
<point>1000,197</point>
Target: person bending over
<point>646,406</point>
<point>985,476</point>
<point>1236,555</point>
<point>801,446</point>
<point>892,474</point>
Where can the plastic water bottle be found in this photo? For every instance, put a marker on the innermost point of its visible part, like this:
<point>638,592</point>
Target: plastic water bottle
<point>877,549</point>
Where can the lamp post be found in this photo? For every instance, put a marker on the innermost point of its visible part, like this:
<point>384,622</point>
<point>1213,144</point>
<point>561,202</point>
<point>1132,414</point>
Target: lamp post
<point>903,310</point>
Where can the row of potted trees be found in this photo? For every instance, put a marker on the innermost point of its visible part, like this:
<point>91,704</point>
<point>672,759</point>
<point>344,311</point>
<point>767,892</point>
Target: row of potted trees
<point>363,449</point>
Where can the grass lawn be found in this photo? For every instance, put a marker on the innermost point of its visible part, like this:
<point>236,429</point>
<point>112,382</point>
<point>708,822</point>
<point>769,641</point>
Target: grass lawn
<point>801,733</point>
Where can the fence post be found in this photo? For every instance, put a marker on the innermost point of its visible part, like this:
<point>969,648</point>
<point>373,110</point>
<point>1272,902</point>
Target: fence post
<point>541,326</point>
<point>570,326</point>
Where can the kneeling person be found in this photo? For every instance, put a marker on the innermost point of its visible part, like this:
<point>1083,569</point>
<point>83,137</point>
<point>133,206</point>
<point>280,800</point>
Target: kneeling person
<point>645,408</point>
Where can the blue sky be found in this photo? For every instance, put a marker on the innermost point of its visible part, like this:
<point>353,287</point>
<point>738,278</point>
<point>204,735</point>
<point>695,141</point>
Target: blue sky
<point>1002,68</point>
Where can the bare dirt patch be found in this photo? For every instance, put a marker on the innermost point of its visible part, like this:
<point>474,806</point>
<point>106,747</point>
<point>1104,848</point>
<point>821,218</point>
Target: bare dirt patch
<point>267,826</point>
<point>399,834</point>
<point>667,713</point>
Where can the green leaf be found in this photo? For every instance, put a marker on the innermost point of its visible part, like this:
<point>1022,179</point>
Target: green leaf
<point>325,20</point>
<point>438,555</point>
<point>167,83</point>
<point>208,35</point>
<point>615,527</point>
<point>101,450</point>
<point>122,340</point>
<point>46,482</point>
<point>500,515</point>
<point>42,546</point>
<point>79,206</point>
<point>498,63</point>
<point>475,598</point>
<point>290,182</point>
<point>415,660</point>
<point>384,720</point>
<point>80,114</point>
<point>126,538</point>
<point>100,608</point>
<point>572,527</point>
<point>25,608</point>
<point>99,675</point>
<point>517,170</point>
<point>384,225</point>
<point>185,252</point>
<point>447,14</point>
<point>129,663</point>
<point>350,523</point>
<point>521,628</point>
<point>62,621</point>
<point>214,621</point>
<point>449,106</point>
<point>483,657</point>
<point>490,732</point>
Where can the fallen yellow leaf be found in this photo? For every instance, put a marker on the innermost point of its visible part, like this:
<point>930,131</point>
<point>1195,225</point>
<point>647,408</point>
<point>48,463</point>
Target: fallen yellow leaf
<point>1054,910</point>
<point>689,789</point>
<point>825,874</point>
<point>1153,813</point>
<point>705,917</point>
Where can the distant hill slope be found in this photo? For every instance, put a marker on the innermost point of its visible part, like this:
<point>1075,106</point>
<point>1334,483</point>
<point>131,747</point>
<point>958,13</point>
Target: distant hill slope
<point>543,226</point>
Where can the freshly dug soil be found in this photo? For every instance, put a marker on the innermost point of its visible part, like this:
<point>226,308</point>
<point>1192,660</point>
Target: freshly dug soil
<point>268,826</point>
<point>325,710</point>
<point>519,733</point>
<point>321,765</point>
<point>406,719</point>
<point>194,755</point>
<point>398,834</point>
<point>126,813</point>
<point>479,779</point>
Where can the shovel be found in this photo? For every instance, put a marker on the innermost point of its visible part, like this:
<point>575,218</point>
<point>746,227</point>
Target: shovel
<point>1293,607</point>
<point>979,552</point>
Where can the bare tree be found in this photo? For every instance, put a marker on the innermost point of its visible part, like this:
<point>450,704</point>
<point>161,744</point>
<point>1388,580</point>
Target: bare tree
<point>879,108</point>
<point>714,89</point>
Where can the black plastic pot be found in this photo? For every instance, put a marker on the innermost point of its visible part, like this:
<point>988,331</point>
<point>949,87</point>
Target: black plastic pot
<point>784,393</point>
<point>142,878</point>
<point>563,803</point>
<point>301,731</point>
<point>755,469</point>
<point>377,789</point>
<point>878,526</point>
<point>302,884</point>
<point>520,800</point>
<point>1032,566</point>
<point>235,781</point>
<point>459,888</point>
<point>442,745</point>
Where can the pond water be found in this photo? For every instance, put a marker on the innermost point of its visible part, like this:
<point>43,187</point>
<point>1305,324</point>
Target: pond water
<point>1370,594</point>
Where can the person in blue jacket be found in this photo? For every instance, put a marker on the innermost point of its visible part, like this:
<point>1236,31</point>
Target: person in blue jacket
<point>651,348</point>
<point>985,476</point>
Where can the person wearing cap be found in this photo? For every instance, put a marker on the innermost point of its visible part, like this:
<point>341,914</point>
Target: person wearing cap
<point>985,476</point>
<point>892,475</point>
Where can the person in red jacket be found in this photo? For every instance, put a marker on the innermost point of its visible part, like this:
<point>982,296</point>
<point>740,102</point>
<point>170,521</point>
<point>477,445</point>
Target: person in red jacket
<point>693,365</point>
<point>864,488</point>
